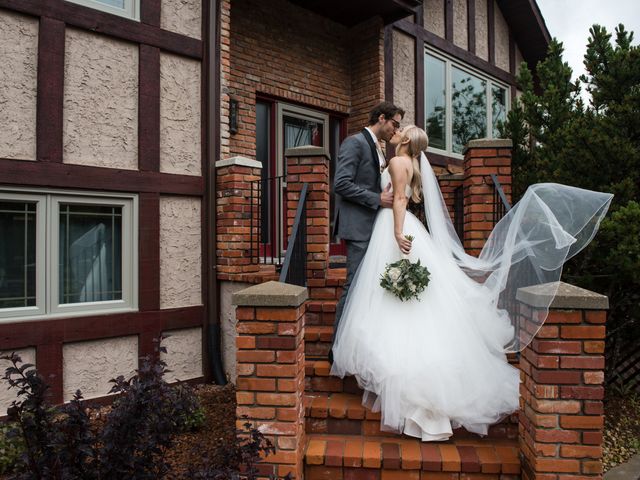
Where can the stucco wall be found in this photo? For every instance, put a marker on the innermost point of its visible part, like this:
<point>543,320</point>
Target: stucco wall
<point>180,128</point>
<point>27,355</point>
<point>182,16</point>
<point>100,125</point>
<point>18,85</point>
<point>184,353</point>
<point>89,366</point>
<point>460,25</point>
<point>404,88</point>
<point>180,252</point>
<point>502,40</point>
<point>228,327</point>
<point>434,16</point>
<point>482,39</point>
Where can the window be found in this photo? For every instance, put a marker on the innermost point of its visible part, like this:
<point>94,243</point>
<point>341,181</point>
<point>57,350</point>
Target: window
<point>66,254</point>
<point>124,8</point>
<point>457,101</point>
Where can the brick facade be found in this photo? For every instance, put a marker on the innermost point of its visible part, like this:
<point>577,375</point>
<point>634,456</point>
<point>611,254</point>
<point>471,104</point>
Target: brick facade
<point>481,159</point>
<point>270,384</point>
<point>561,418</point>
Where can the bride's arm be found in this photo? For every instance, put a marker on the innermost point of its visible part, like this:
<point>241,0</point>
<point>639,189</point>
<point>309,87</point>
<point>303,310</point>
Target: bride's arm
<point>399,170</point>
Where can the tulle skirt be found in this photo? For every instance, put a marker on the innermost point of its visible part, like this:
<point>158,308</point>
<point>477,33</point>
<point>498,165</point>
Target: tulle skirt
<point>432,364</point>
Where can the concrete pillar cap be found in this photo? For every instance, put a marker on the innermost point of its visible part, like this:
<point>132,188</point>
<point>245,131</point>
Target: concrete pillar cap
<point>567,297</point>
<point>271,294</point>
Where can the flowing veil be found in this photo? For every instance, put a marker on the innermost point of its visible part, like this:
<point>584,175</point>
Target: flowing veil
<point>528,246</point>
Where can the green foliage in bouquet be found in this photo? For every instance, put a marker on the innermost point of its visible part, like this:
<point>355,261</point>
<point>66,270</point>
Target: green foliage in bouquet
<point>404,279</point>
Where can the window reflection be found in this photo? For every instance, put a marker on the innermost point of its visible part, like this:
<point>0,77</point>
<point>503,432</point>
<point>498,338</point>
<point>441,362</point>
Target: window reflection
<point>469,106</point>
<point>435,94</point>
<point>498,109</point>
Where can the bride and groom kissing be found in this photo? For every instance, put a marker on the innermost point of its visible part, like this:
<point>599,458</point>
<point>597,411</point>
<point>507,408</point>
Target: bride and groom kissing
<point>439,362</point>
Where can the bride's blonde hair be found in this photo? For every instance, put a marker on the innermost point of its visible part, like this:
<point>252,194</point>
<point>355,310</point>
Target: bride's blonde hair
<point>418,143</point>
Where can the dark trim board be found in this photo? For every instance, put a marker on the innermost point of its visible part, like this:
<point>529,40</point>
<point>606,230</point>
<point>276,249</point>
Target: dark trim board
<point>90,19</point>
<point>149,109</point>
<point>471,26</point>
<point>449,48</point>
<point>448,20</point>
<point>61,175</point>
<point>18,335</point>
<point>50,90</point>
<point>491,31</point>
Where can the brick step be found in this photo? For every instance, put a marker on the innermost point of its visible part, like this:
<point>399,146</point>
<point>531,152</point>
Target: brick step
<point>318,379</point>
<point>355,457</point>
<point>344,414</point>
<point>320,312</point>
<point>317,341</point>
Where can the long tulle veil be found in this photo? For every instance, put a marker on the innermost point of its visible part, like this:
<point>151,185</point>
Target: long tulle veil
<point>528,246</point>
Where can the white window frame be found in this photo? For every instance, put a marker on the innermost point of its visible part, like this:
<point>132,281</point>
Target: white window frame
<point>47,254</point>
<point>489,83</point>
<point>131,8</point>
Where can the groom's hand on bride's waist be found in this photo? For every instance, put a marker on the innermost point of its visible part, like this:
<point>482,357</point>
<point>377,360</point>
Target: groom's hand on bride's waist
<point>386,197</point>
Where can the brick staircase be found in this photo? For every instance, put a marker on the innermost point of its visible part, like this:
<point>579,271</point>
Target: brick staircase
<point>344,440</point>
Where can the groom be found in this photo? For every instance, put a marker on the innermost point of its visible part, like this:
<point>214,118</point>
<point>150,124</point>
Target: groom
<point>358,192</point>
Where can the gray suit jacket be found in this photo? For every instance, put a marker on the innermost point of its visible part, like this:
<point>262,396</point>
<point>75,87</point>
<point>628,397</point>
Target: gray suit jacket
<point>357,187</point>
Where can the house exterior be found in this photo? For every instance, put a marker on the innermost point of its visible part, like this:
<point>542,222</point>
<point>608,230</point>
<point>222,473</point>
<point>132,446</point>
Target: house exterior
<point>104,188</point>
<point>154,155</point>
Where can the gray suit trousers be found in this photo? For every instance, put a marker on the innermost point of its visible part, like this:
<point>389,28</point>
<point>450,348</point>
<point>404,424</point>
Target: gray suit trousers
<point>355,254</point>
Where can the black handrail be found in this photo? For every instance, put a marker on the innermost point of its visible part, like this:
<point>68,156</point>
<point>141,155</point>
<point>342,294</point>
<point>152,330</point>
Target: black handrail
<point>294,268</point>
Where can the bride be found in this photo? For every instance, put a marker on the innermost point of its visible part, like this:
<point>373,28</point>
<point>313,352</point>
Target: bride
<point>438,363</point>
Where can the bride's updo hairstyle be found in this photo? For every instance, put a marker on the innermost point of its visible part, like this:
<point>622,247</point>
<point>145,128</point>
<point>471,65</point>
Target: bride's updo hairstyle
<point>418,143</point>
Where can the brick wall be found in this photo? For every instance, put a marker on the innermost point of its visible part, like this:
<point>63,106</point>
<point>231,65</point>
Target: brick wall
<point>482,158</point>
<point>561,418</point>
<point>270,359</point>
<point>279,49</point>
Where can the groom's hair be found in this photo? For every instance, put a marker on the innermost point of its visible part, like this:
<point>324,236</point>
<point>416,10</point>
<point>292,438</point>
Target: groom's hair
<point>388,109</point>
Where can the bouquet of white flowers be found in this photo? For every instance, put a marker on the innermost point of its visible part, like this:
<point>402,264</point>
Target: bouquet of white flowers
<point>404,279</point>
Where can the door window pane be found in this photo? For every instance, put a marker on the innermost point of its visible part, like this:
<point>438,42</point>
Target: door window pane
<point>113,3</point>
<point>469,105</point>
<point>435,93</point>
<point>90,267</point>
<point>299,132</point>
<point>17,254</point>
<point>498,108</point>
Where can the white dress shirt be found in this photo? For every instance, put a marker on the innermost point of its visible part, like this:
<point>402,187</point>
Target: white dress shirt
<point>381,157</point>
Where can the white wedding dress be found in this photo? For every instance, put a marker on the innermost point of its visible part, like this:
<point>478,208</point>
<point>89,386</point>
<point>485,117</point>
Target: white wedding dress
<point>438,363</point>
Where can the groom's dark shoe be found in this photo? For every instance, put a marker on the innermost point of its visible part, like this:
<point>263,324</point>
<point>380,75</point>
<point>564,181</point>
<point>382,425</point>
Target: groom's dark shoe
<point>331,357</point>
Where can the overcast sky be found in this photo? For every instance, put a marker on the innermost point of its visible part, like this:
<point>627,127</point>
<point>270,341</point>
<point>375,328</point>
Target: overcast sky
<point>569,21</point>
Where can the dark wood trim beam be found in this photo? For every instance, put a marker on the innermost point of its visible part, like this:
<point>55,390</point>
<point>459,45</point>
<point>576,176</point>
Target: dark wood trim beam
<point>471,26</point>
<point>50,90</point>
<point>53,331</point>
<point>491,31</point>
<point>149,109</point>
<point>420,14</point>
<point>448,20</point>
<point>113,25</point>
<point>62,175</point>
<point>443,45</point>
<point>512,54</point>
<point>419,83</point>
<point>49,364</point>
<point>149,252</point>
<point>150,12</point>
<point>388,63</point>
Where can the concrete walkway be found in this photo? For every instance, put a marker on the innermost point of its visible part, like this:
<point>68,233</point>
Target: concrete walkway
<point>626,471</point>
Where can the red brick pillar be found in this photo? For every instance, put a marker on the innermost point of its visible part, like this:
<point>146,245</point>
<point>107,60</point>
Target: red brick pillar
<point>311,165</point>
<point>561,416</point>
<point>235,206</point>
<point>482,158</point>
<point>270,359</point>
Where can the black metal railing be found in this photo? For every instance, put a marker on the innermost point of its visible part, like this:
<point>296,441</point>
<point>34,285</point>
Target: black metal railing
<point>267,218</point>
<point>294,268</point>
<point>500,203</point>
